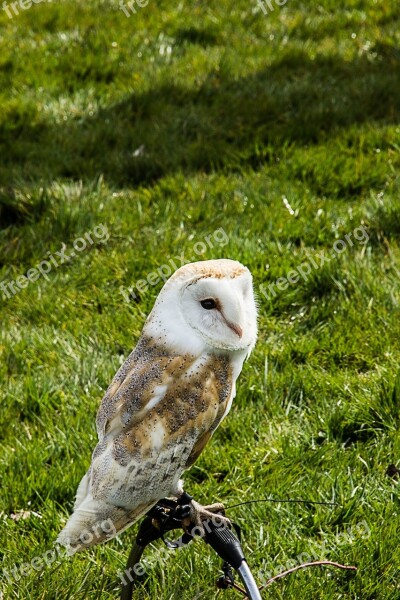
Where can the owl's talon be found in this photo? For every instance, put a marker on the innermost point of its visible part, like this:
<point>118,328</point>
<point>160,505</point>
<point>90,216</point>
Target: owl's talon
<point>212,512</point>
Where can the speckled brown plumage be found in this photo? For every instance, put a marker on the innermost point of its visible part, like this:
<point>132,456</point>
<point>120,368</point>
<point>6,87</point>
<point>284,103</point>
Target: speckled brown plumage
<point>191,407</point>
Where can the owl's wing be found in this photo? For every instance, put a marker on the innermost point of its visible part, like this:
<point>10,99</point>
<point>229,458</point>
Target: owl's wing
<point>114,396</point>
<point>136,386</point>
<point>154,421</point>
<point>113,494</point>
<point>158,422</point>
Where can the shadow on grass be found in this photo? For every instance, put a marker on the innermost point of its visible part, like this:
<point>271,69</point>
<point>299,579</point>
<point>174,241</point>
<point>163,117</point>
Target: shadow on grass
<point>225,124</point>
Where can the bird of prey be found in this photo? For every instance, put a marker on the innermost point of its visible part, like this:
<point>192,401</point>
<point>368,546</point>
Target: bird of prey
<point>166,400</point>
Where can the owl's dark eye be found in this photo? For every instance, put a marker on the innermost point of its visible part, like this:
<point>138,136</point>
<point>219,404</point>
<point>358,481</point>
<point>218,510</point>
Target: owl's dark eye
<point>208,303</point>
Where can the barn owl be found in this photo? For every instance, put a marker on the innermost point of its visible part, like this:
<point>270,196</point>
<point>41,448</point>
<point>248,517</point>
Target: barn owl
<point>166,400</point>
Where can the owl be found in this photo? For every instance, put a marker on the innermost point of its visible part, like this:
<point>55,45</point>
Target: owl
<point>166,400</point>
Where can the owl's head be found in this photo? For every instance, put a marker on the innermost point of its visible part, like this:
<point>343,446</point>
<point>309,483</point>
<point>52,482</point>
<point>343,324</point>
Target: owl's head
<point>206,305</point>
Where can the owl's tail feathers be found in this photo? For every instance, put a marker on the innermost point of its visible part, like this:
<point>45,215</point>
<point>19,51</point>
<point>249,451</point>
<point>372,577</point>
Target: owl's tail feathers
<point>95,521</point>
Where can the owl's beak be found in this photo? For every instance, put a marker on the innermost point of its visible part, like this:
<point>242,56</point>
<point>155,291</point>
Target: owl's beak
<point>238,330</point>
<point>235,328</point>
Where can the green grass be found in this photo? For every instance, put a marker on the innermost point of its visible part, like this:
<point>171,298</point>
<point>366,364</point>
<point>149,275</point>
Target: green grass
<point>164,127</point>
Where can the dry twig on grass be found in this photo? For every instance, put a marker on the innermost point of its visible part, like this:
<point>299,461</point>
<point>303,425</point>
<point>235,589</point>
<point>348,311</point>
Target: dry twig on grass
<point>317,563</point>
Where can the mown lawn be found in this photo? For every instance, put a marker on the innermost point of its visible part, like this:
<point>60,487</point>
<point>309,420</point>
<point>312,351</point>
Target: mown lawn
<point>147,134</point>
